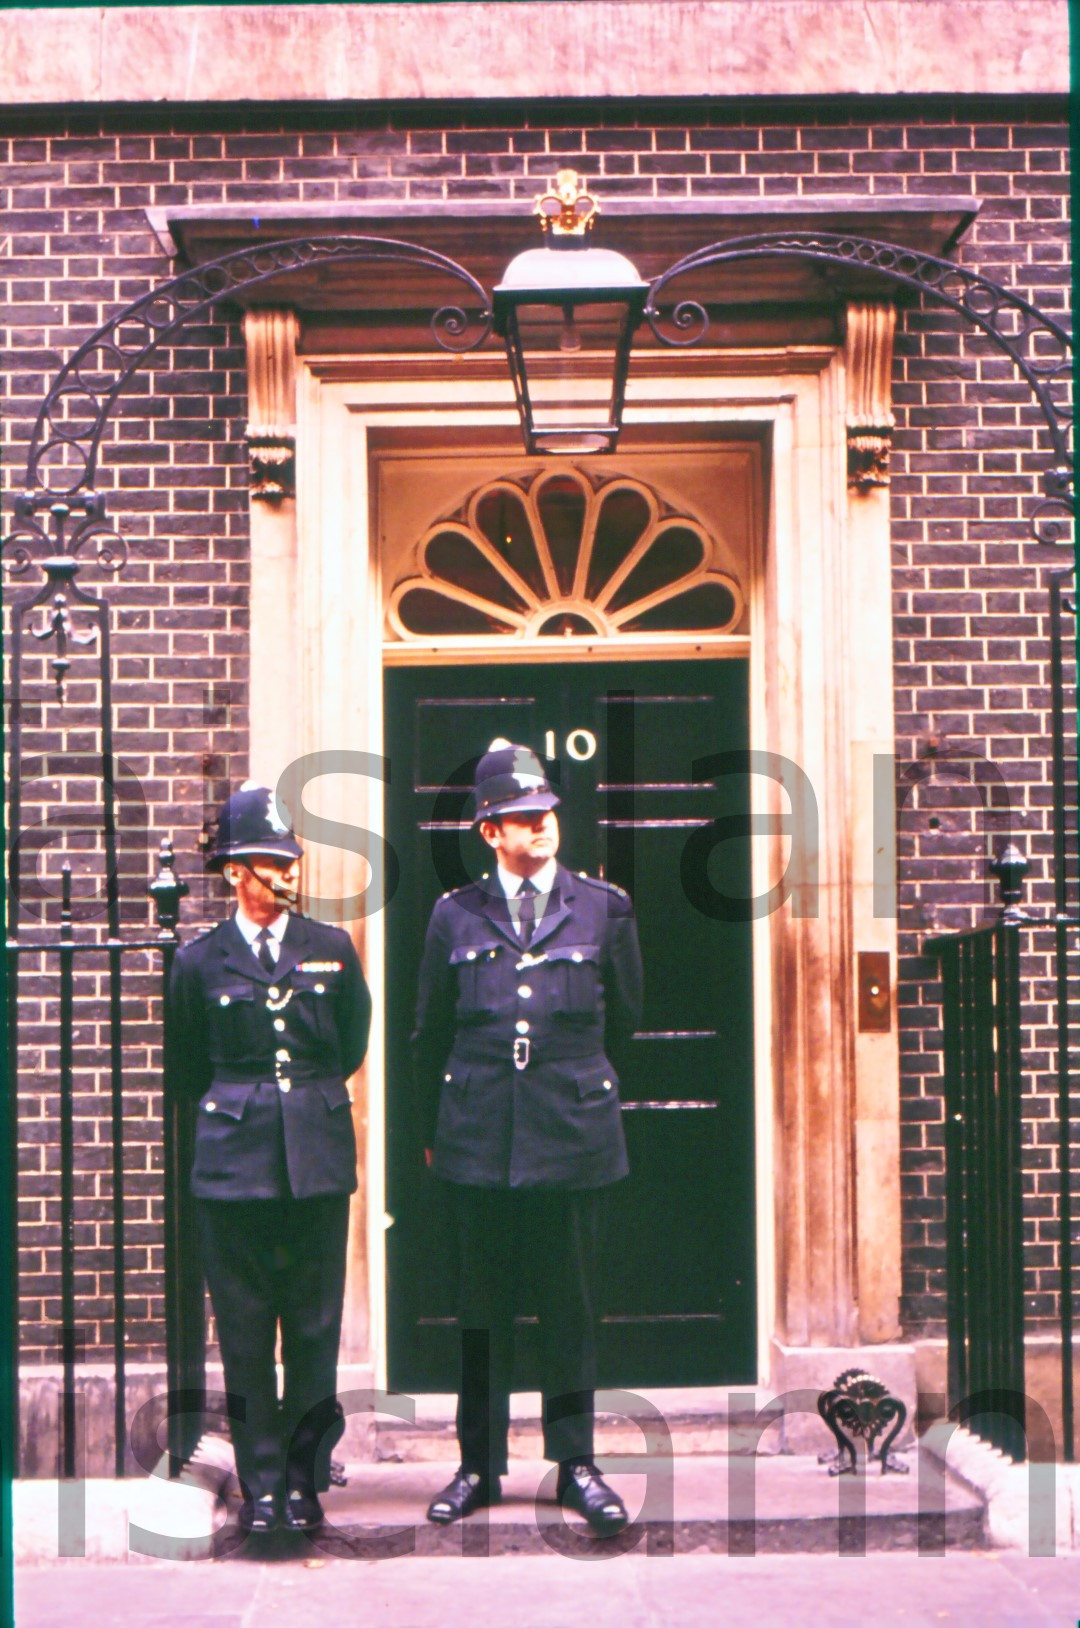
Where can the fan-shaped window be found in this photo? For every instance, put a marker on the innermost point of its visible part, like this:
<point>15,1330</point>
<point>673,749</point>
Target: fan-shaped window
<point>675,553</point>
<point>428,612</point>
<point>454,557</point>
<point>561,511</point>
<point>704,606</point>
<point>501,517</point>
<point>624,515</point>
<point>564,558</point>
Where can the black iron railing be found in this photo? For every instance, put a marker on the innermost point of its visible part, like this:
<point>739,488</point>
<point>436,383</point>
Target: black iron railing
<point>983,987</point>
<point>184,1319</point>
<point>984,1257</point>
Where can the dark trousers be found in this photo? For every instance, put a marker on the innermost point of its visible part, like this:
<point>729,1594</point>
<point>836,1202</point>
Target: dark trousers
<point>543,1241</point>
<point>271,1262</point>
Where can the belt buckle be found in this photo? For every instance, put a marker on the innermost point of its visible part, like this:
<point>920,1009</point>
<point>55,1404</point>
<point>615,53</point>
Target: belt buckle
<point>521,1051</point>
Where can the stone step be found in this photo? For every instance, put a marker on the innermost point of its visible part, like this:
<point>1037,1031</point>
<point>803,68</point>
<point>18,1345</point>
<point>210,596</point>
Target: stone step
<point>727,1504</point>
<point>702,1503</point>
<point>733,1503</point>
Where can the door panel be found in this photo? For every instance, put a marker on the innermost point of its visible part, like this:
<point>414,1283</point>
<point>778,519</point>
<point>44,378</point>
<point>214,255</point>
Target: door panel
<point>677,1303</point>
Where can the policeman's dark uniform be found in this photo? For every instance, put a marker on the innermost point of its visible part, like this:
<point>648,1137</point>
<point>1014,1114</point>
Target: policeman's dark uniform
<point>515,1053</point>
<point>265,1054</point>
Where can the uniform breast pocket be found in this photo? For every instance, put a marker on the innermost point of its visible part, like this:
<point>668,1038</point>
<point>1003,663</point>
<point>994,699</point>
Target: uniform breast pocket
<point>478,970</point>
<point>312,996</point>
<point>577,979</point>
<point>230,1010</point>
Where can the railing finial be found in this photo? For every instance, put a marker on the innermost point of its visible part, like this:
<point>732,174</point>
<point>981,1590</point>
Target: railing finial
<point>1010,867</point>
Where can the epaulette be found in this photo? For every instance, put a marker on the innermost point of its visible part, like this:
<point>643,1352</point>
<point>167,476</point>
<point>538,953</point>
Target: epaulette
<point>187,943</point>
<point>452,893</point>
<point>598,881</point>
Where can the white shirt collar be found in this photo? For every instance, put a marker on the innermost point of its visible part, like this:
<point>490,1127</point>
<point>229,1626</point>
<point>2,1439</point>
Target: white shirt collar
<point>251,929</point>
<point>543,881</point>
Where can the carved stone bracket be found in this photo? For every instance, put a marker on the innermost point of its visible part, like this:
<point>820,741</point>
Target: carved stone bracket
<point>272,461</point>
<point>271,337</point>
<point>868,353</point>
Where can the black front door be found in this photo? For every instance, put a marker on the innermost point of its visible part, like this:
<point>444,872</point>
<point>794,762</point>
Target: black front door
<point>677,1302</point>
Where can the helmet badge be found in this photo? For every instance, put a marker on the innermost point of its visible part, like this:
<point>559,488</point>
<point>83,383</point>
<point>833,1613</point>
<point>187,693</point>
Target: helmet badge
<point>274,819</point>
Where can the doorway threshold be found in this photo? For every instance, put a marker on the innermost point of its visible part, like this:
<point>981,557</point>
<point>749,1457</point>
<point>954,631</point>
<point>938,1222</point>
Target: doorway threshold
<point>697,1418</point>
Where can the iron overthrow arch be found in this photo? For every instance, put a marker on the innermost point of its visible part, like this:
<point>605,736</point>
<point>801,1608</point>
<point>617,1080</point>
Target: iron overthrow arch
<point>1038,346</point>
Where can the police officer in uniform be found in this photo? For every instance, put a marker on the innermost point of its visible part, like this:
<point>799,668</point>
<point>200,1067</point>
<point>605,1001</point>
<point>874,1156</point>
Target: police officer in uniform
<point>529,990</point>
<point>268,1017</point>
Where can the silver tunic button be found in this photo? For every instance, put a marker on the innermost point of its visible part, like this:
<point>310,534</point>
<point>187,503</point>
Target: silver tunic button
<point>521,1026</point>
<point>279,1024</point>
<point>449,1077</point>
<point>524,990</point>
<point>274,992</point>
<point>607,1085</point>
<point>576,956</point>
<point>284,1085</point>
<point>320,989</point>
<point>282,1055</point>
<point>223,1000</point>
<point>211,1107</point>
<point>470,955</point>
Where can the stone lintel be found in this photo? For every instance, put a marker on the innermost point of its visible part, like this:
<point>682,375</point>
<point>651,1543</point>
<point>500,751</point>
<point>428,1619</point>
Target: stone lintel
<point>561,49</point>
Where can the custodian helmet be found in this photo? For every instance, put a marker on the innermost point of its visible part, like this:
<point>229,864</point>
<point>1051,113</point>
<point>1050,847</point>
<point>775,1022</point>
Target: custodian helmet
<point>252,822</point>
<point>510,780</point>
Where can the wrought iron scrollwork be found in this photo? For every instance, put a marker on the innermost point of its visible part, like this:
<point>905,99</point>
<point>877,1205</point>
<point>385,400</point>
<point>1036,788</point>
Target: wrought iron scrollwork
<point>59,514</point>
<point>858,1408</point>
<point>67,434</point>
<point>1039,347</point>
<point>76,522</point>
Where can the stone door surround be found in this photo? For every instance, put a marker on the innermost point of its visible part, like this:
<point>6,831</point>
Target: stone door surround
<point>822,706</point>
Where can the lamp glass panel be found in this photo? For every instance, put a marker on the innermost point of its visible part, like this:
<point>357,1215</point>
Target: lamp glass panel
<point>568,354</point>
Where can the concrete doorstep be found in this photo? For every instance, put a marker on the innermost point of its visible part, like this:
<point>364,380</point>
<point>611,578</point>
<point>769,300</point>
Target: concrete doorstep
<point>1033,1508</point>
<point>726,1503</point>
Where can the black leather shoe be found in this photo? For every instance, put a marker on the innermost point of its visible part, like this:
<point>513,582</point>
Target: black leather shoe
<point>303,1511</point>
<point>259,1514</point>
<point>582,1488</point>
<point>466,1492</point>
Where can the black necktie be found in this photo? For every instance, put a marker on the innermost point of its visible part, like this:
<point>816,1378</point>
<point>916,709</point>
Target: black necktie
<point>527,911</point>
<point>266,959</point>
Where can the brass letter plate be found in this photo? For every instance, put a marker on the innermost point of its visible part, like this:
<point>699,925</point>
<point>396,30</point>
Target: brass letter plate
<point>875,1007</point>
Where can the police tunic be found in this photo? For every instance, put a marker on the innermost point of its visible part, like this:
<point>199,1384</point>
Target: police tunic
<point>264,1056</point>
<point>516,1050</point>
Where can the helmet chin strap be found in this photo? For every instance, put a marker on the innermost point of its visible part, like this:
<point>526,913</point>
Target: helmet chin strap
<point>275,885</point>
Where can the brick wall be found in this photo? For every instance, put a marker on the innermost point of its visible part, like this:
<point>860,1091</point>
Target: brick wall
<point>971,681</point>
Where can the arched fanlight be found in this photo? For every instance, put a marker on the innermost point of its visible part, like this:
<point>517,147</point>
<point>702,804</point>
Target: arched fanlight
<point>568,314</point>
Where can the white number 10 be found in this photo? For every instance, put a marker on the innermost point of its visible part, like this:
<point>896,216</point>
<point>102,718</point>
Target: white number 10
<point>580,743</point>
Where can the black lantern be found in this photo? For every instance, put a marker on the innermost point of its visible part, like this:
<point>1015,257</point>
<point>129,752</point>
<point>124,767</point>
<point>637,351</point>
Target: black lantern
<point>568,314</point>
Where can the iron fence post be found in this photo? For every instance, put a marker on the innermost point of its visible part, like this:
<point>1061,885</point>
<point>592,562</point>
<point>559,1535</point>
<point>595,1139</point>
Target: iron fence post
<point>185,1330</point>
